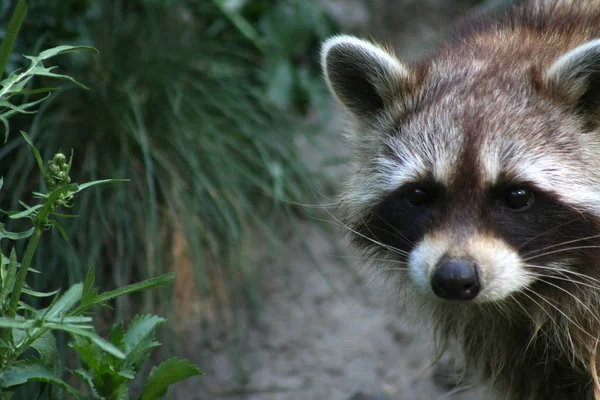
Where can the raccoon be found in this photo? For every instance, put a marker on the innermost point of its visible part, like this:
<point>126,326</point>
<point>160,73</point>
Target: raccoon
<point>475,183</point>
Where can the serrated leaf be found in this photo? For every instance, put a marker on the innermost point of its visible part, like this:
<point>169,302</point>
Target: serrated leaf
<point>33,370</point>
<point>139,339</point>
<point>136,287</point>
<point>88,379</point>
<point>166,374</point>
<point>117,333</point>
<point>88,353</point>
<point>141,329</point>
<point>65,302</point>
<point>90,334</point>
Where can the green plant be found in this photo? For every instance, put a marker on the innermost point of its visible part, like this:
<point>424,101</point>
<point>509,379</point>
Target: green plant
<point>28,351</point>
<point>201,104</point>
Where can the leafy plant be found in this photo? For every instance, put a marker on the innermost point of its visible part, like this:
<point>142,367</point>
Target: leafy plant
<point>201,104</point>
<point>28,351</point>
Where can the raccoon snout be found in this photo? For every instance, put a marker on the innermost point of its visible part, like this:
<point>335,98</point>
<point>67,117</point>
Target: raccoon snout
<point>456,280</point>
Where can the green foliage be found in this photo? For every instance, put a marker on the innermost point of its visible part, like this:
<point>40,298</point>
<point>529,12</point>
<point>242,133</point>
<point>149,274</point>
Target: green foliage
<point>109,377</point>
<point>16,83</point>
<point>200,104</point>
<point>111,365</point>
<point>28,351</point>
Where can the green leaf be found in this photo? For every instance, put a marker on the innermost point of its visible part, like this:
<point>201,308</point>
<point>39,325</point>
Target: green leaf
<point>33,370</point>
<point>53,197</point>
<point>100,182</point>
<point>88,379</point>
<point>117,334</point>
<point>55,51</point>
<point>61,230</point>
<point>166,374</point>
<point>24,213</point>
<point>66,302</point>
<point>87,284</point>
<point>14,235</point>
<point>17,323</point>
<point>140,328</point>
<point>11,273</point>
<point>89,354</point>
<point>38,157</point>
<point>139,339</point>
<point>46,347</point>
<point>136,287</point>
<point>17,82</point>
<point>34,293</point>
<point>97,340</point>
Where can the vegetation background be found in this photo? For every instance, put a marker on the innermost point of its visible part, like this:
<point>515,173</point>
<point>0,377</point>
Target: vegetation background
<point>216,112</point>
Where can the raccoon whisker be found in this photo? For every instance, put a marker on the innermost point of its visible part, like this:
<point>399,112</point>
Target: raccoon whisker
<point>393,269</point>
<point>401,237</point>
<point>563,277</point>
<point>551,304</point>
<point>546,232</point>
<point>339,223</point>
<point>383,260</point>
<point>533,337</point>
<point>408,242</point>
<point>543,309</point>
<point>398,251</point>
<point>503,309</point>
<point>560,251</point>
<point>308,205</point>
<point>574,297</point>
<point>558,244</point>
<point>565,273</point>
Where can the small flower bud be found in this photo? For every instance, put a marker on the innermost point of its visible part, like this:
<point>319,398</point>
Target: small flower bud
<point>53,169</point>
<point>59,159</point>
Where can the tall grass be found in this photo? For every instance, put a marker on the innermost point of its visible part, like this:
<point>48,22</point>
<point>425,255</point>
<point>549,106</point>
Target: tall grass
<point>198,103</point>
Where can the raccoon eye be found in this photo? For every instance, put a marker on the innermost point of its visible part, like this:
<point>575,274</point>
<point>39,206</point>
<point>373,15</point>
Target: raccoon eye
<point>417,197</point>
<point>519,198</point>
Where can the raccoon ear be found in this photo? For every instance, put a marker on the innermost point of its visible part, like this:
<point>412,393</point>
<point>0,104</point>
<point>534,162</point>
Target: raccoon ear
<point>576,76</point>
<point>362,76</point>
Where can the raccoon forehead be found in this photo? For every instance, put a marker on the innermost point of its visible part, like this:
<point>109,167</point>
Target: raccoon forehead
<point>567,176</point>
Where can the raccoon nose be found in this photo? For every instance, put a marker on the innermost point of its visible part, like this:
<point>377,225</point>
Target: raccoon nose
<point>456,280</point>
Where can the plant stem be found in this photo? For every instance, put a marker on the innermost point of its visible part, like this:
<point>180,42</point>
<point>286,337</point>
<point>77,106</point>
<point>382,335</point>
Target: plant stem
<point>11,34</point>
<point>19,283</point>
<point>22,273</point>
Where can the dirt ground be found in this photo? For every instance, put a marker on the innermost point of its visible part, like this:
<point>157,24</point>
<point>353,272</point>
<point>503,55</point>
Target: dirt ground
<point>327,329</point>
<point>322,341</point>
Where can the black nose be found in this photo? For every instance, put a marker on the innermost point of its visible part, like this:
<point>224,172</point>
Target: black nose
<point>456,280</point>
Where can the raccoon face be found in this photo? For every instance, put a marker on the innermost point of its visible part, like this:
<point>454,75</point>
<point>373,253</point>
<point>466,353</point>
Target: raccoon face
<point>480,181</point>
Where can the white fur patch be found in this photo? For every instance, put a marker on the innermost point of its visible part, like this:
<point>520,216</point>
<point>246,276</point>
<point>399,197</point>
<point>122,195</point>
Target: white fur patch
<point>571,70</point>
<point>502,270</point>
<point>373,52</point>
